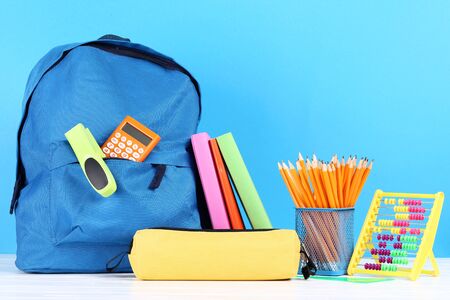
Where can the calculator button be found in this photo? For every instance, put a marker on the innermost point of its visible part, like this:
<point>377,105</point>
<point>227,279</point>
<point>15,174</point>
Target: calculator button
<point>117,135</point>
<point>114,140</point>
<point>110,145</point>
<point>106,150</point>
<point>132,158</point>
<point>117,150</point>
<point>136,155</point>
<point>129,150</point>
<point>121,145</point>
<point>135,147</point>
<point>124,155</point>
<point>123,139</point>
<point>129,143</point>
<point>140,150</point>
<point>113,154</point>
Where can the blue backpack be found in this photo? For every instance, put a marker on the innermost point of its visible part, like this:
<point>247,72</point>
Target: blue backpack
<point>63,225</point>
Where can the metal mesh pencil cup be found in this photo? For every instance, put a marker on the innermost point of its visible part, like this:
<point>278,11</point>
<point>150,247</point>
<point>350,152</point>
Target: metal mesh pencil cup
<point>327,234</point>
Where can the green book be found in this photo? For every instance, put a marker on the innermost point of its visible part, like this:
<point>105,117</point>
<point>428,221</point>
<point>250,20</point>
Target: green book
<point>243,182</point>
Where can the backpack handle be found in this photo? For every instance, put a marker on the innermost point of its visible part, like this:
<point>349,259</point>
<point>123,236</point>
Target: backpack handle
<point>114,37</point>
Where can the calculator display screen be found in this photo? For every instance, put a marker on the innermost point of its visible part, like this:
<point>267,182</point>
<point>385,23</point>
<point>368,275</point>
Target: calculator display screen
<point>137,134</point>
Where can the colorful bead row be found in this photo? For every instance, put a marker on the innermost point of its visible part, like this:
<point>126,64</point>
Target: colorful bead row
<point>414,231</point>
<point>385,259</point>
<point>410,202</point>
<point>389,201</point>
<point>399,253</point>
<point>409,246</point>
<point>391,268</point>
<point>400,261</point>
<point>401,208</point>
<point>407,238</point>
<point>385,237</point>
<point>398,245</point>
<point>369,266</point>
<point>415,209</point>
<point>398,230</point>
<point>385,252</point>
<point>386,222</point>
<point>380,267</point>
<point>400,223</point>
<point>418,217</point>
<point>382,244</point>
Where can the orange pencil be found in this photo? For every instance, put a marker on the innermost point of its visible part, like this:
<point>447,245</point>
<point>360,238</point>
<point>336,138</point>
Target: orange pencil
<point>297,202</point>
<point>303,165</point>
<point>362,182</point>
<point>349,171</point>
<point>320,183</point>
<point>355,181</point>
<point>299,184</point>
<point>328,188</point>
<point>340,180</point>
<point>305,184</point>
<point>317,191</point>
<point>332,175</point>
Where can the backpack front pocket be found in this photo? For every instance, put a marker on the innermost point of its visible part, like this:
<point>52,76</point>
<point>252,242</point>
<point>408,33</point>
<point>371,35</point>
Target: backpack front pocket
<point>80,215</point>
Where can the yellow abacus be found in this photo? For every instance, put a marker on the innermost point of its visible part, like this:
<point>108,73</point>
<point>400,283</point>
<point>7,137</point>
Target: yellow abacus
<point>420,239</point>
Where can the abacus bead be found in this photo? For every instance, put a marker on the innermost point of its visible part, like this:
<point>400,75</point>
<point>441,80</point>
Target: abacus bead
<point>379,236</point>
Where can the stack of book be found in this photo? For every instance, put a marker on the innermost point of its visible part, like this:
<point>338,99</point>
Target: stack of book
<point>218,160</point>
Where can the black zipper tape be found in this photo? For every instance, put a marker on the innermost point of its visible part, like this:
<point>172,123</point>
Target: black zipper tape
<point>156,181</point>
<point>160,60</point>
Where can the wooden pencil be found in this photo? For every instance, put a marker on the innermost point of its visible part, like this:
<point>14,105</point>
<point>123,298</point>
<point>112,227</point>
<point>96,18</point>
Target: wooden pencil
<point>299,183</point>
<point>363,181</point>
<point>295,187</point>
<point>305,183</point>
<point>326,179</point>
<point>288,185</point>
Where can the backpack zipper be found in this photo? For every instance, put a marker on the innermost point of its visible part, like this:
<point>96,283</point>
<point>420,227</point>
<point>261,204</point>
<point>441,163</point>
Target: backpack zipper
<point>158,59</point>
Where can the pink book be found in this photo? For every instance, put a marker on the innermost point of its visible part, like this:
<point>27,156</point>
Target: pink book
<point>210,181</point>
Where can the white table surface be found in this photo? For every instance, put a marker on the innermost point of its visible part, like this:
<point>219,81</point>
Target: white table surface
<point>15,284</point>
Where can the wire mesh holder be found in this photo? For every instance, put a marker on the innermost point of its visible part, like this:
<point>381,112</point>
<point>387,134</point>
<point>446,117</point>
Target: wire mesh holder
<point>327,234</point>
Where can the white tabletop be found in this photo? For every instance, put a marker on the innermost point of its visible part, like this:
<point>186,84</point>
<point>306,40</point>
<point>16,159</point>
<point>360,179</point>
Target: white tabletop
<point>15,284</point>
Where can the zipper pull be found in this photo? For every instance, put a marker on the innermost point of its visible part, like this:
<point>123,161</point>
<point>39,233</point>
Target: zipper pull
<point>159,174</point>
<point>310,268</point>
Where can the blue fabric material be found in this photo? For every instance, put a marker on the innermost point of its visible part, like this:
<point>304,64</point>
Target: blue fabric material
<point>63,225</point>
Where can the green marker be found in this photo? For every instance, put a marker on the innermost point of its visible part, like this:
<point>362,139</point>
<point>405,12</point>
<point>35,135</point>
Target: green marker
<point>90,157</point>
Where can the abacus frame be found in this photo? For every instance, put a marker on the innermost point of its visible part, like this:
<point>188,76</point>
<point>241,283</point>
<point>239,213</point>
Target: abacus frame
<point>425,251</point>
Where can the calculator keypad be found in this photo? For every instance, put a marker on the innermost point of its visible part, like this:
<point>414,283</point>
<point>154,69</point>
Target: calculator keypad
<point>119,146</point>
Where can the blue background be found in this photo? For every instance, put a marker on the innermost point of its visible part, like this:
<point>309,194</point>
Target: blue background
<point>345,77</point>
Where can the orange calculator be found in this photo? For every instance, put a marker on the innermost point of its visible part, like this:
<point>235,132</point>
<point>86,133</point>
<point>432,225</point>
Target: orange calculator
<point>131,140</point>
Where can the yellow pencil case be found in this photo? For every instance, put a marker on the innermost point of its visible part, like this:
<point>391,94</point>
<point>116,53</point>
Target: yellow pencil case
<point>183,254</point>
